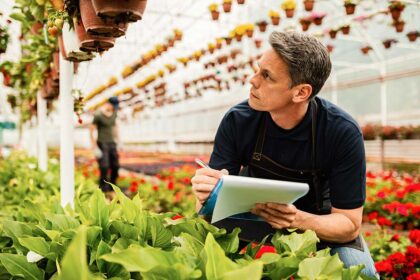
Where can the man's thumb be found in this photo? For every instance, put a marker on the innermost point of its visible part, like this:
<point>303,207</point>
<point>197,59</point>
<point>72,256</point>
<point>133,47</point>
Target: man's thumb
<point>225,172</point>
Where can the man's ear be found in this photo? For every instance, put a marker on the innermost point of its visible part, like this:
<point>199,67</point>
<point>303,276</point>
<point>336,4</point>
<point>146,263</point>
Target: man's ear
<point>302,93</point>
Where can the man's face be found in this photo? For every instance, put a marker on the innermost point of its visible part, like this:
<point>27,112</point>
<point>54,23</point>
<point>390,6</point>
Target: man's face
<point>108,108</point>
<point>270,85</point>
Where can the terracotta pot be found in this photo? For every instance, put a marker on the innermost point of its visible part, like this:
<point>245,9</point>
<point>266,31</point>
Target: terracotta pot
<point>333,34</point>
<point>171,42</point>
<point>305,25</point>
<point>240,2</point>
<point>58,4</point>
<point>258,43</point>
<point>412,36</point>
<point>395,14</point>
<point>262,26</point>
<point>95,25</point>
<point>51,89</point>
<point>228,40</point>
<point>121,10</point>
<point>365,50</point>
<point>399,26</point>
<point>91,43</point>
<point>345,30</point>
<point>227,7</point>
<point>215,15</point>
<point>309,5</point>
<point>350,8</point>
<point>290,13</point>
<point>318,20</point>
<point>249,33</point>
<point>275,20</point>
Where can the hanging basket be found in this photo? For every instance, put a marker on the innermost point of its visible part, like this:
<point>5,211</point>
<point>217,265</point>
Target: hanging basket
<point>227,7</point>
<point>69,46</point>
<point>275,20</point>
<point>412,36</point>
<point>290,13</point>
<point>120,10</point>
<point>309,5</point>
<point>350,8</point>
<point>399,26</point>
<point>215,15</point>
<point>91,43</point>
<point>95,25</point>
<point>262,26</point>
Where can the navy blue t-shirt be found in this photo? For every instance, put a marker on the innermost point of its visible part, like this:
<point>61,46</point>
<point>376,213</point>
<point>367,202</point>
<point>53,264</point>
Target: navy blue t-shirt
<point>340,150</point>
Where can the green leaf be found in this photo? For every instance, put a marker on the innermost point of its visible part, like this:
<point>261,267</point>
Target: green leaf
<point>15,230</point>
<point>252,271</point>
<point>20,17</point>
<point>298,244</point>
<point>353,272</point>
<point>51,234</point>
<point>230,242</point>
<point>36,244</point>
<point>321,268</point>
<point>18,266</point>
<point>124,230</point>
<point>190,244</point>
<point>92,235</point>
<point>283,268</point>
<point>129,208</point>
<point>62,222</point>
<point>74,264</point>
<point>99,211</point>
<point>160,236</point>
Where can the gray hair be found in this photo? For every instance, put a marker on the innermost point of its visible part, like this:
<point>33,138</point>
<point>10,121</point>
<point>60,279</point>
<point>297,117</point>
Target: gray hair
<point>307,59</point>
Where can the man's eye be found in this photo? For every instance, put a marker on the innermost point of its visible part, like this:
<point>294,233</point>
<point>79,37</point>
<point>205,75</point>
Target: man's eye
<point>265,75</point>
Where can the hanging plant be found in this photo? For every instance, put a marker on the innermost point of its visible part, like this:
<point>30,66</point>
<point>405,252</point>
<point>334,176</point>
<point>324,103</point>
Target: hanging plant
<point>228,40</point>
<point>396,7</point>
<point>388,43</point>
<point>214,11</point>
<point>275,17</point>
<point>345,29</point>
<point>241,2</point>
<point>350,6</point>
<point>333,33</point>
<point>289,7</point>
<point>399,25</point>
<point>308,5</point>
<point>258,43</point>
<point>317,18</point>
<point>78,104</point>
<point>305,22</point>
<point>249,30</point>
<point>365,50</point>
<point>412,36</point>
<point>178,34</point>
<point>227,6</point>
<point>262,25</point>
<point>120,11</point>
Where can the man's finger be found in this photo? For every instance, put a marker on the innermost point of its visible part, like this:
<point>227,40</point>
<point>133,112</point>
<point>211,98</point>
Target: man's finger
<point>209,172</point>
<point>203,187</point>
<point>203,179</point>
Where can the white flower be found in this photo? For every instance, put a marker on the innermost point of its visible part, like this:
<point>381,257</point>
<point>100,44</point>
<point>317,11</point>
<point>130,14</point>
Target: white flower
<point>33,257</point>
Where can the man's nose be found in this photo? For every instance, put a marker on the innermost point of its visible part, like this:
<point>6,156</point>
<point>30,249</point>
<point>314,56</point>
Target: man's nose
<point>254,80</point>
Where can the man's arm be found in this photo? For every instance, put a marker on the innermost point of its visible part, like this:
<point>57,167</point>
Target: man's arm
<point>116,133</point>
<point>92,136</point>
<point>341,226</point>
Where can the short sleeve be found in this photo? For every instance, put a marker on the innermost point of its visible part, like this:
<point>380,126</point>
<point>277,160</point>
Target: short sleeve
<point>348,173</point>
<point>225,155</point>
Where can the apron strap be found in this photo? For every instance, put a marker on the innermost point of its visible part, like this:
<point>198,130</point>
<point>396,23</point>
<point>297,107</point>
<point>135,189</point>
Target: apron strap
<point>315,172</point>
<point>260,140</point>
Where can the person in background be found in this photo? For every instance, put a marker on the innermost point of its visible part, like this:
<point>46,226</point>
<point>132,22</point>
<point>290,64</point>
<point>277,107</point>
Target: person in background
<point>105,146</point>
<point>285,132</point>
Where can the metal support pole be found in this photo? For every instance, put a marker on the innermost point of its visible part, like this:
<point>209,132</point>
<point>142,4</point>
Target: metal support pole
<point>42,140</point>
<point>66,106</point>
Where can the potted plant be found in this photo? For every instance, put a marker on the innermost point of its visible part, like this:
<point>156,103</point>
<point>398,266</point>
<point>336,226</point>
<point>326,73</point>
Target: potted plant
<point>333,33</point>
<point>289,7</point>
<point>412,36</point>
<point>120,11</point>
<point>228,40</point>
<point>396,7</point>
<point>91,43</point>
<point>4,38</point>
<point>258,43</point>
<point>308,5</point>
<point>178,34</point>
<point>387,43</point>
<point>241,2</point>
<point>365,49</point>
<point>227,6</point>
<point>317,18</point>
<point>345,29</point>
<point>214,12</point>
<point>305,22</point>
<point>249,30</point>
<point>275,17</point>
<point>399,25</point>
<point>350,6</point>
<point>262,25</point>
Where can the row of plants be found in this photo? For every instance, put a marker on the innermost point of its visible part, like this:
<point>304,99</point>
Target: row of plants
<point>101,239</point>
<point>393,200</point>
<point>396,256</point>
<point>389,132</point>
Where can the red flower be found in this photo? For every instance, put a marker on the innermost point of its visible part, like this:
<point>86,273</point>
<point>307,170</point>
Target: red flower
<point>373,216</point>
<point>177,197</point>
<point>401,193</point>
<point>413,255</point>
<point>170,186</point>
<point>415,276</point>
<point>395,238</point>
<point>402,210</point>
<point>397,258</point>
<point>134,186</point>
<point>177,216</point>
<point>370,175</point>
<point>383,267</point>
<point>187,180</point>
<point>368,233</point>
<point>414,236</point>
<point>381,194</point>
<point>142,181</point>
<point>382,221</point>
<point>155,188</point>
<point>265,249</point>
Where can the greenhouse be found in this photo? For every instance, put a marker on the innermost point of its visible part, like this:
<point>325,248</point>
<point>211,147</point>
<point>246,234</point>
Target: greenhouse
<point>210,139</point>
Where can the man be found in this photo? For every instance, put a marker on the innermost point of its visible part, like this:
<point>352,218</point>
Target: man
<point>284,132</point>
<point>105,146</point>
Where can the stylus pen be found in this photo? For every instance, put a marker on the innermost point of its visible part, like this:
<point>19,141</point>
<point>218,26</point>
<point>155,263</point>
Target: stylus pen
<point>201,163</point>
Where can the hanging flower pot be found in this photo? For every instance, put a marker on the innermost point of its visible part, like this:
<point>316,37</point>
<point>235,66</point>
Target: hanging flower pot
<point>399,25</point>
<point>275,20</point>
<point>366,49</point>
<point>238,37</point>
<point>309,5</point>
<point>332,33</point>
<point>249,33</point>
<point>95,25</point>
<point>350,7</point>
<point>388,43</point>
<point>262,25</point>
<point>396,7</point>
<point>317,18</point>
<point>258,43</point>
<point>215,15</point>
<point>228,40</point>
<point>241,2</point>
<point>412,36</point>
<point>120,11</point>
<point>330,48</point>
<point>305,22</point>
<point>69,46</point>
<point>178,34</point>
<point>290,13</point>
<point>91,43</point>
<point>345,29</point>
<point>227,6</point>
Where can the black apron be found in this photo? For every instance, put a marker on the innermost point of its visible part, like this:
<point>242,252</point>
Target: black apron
<point>261,166</point>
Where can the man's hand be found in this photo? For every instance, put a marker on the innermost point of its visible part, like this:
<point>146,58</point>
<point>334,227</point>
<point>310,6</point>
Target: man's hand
<point>204,181</point>
<point>277,215</point>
